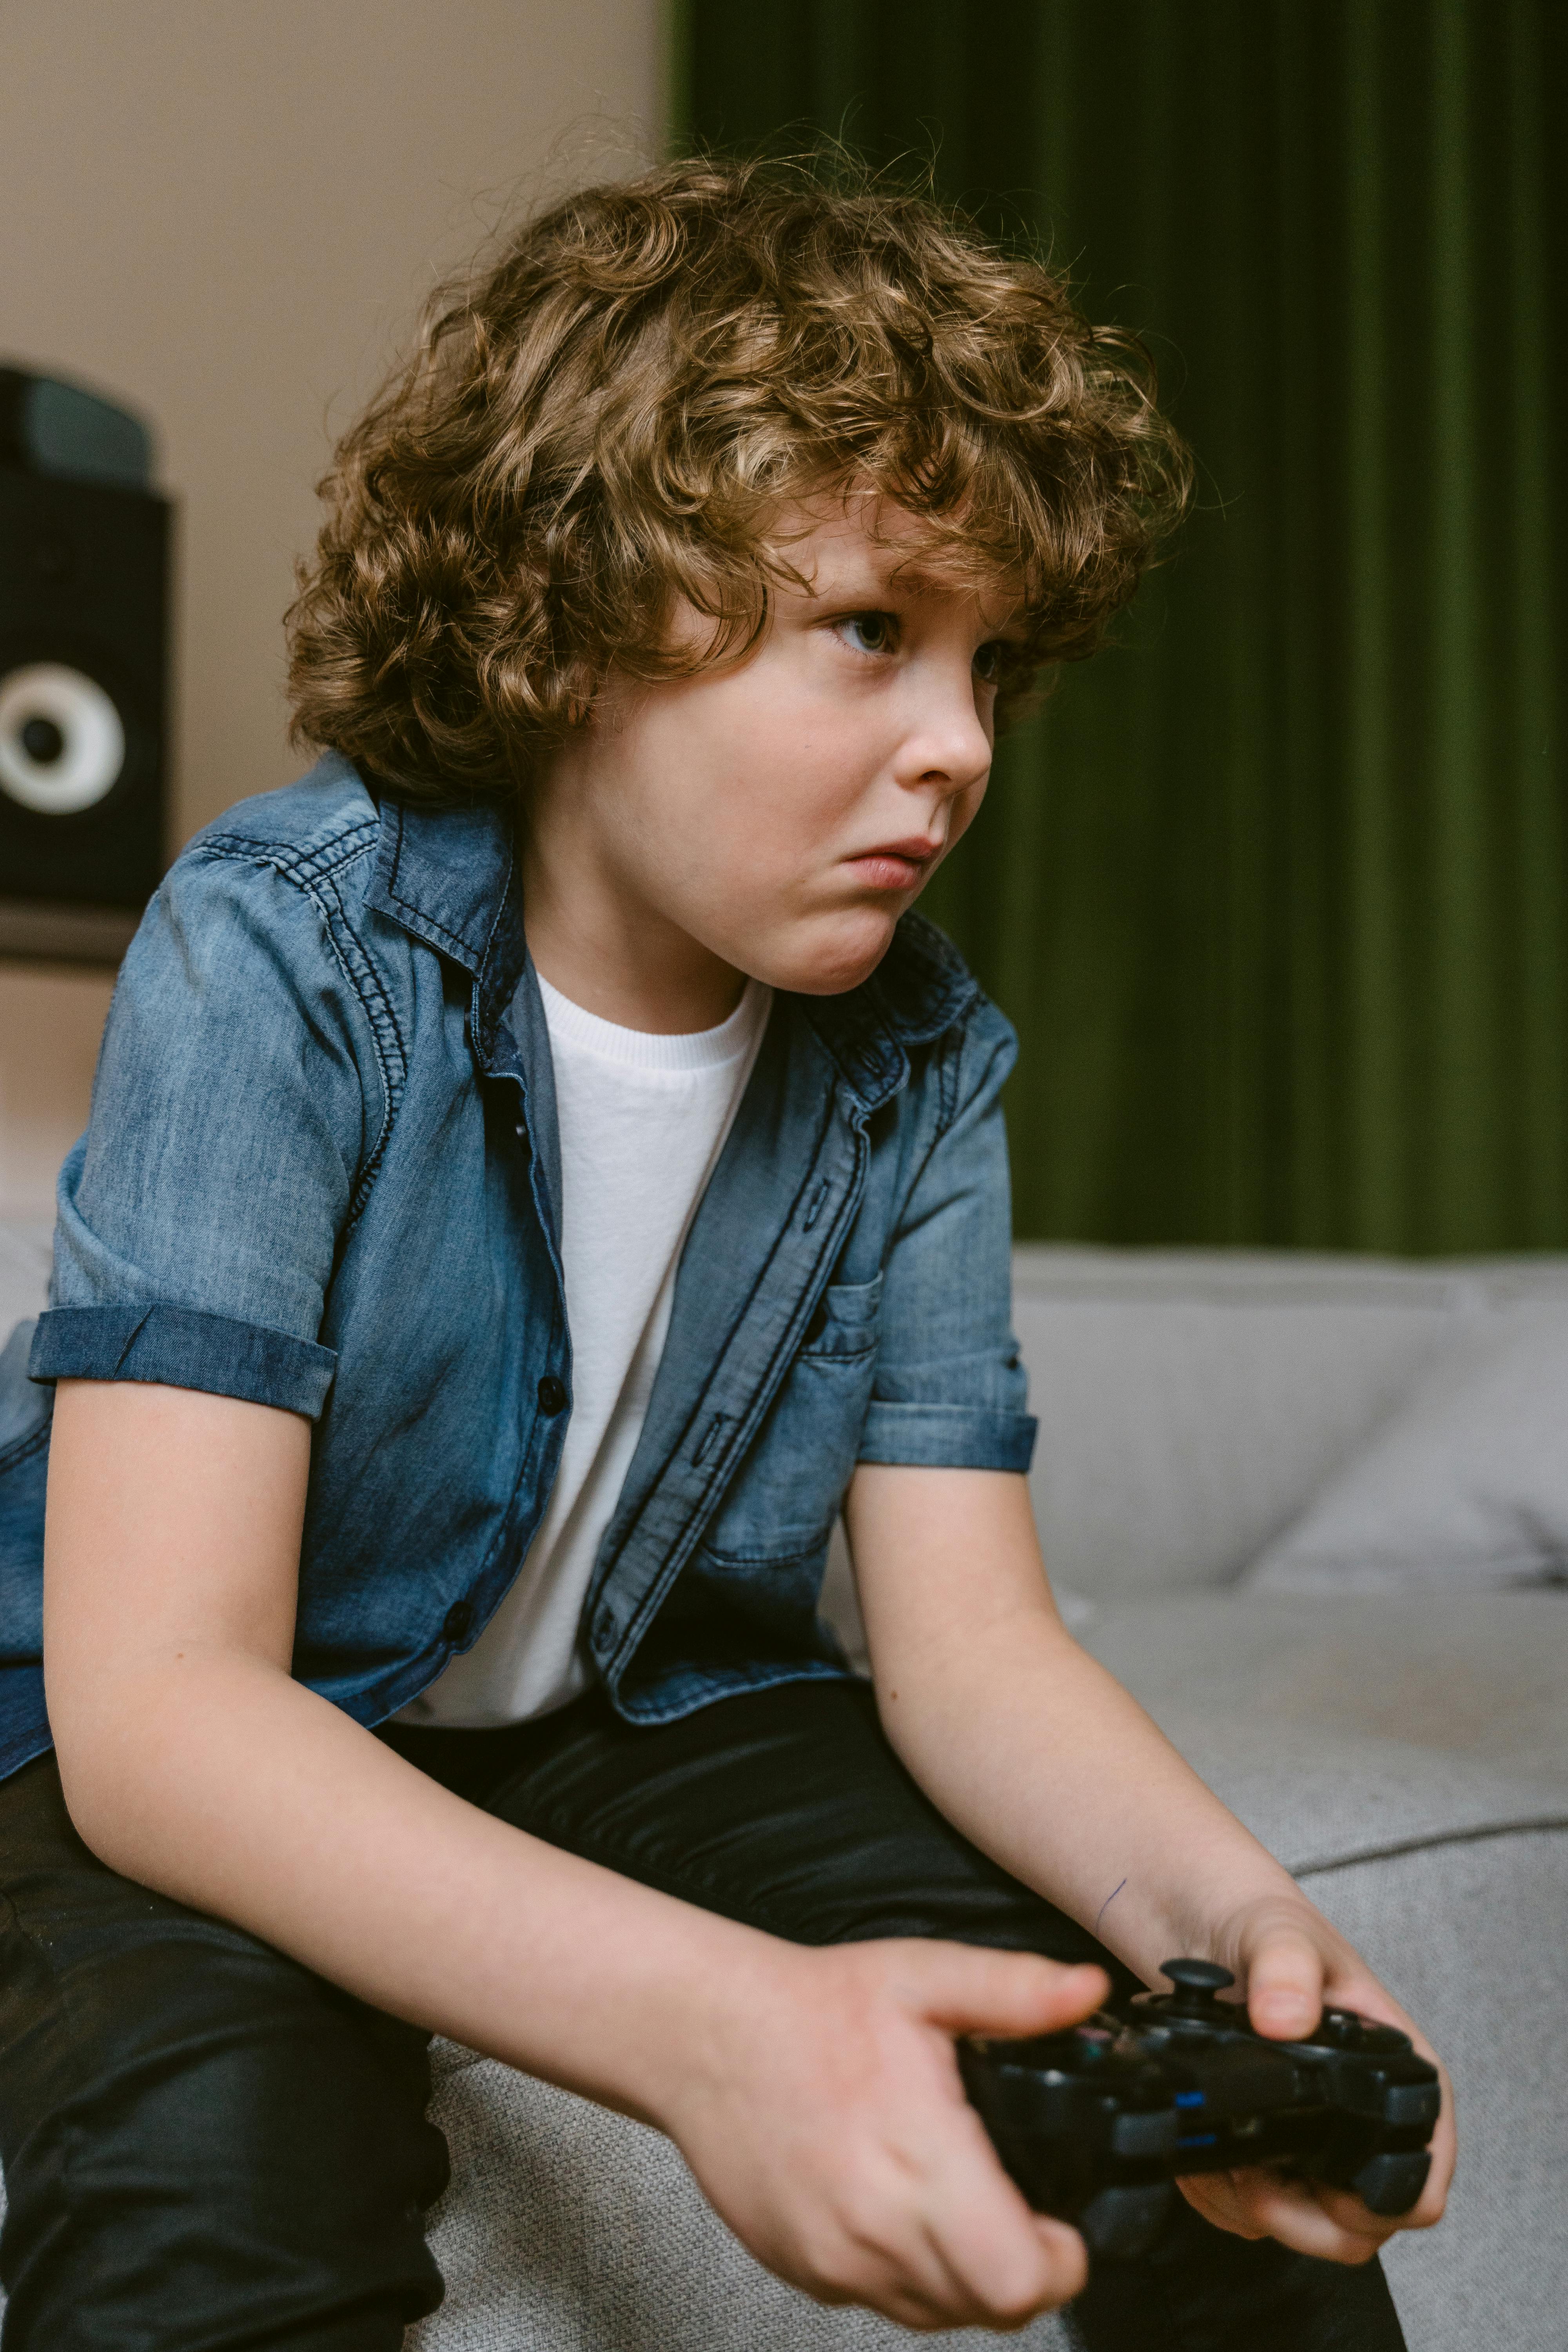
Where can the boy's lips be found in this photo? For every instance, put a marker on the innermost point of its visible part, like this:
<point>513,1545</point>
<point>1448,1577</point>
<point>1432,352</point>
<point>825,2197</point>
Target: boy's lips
<point>894,865</point>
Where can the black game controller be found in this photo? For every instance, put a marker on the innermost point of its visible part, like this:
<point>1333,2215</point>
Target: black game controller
<point>1350,2105</point>
<point>1094,2122</point>
<point>1086,2125</point>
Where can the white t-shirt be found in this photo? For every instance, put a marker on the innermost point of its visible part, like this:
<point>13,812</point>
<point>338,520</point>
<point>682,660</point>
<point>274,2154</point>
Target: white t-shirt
<point>643,1119</point>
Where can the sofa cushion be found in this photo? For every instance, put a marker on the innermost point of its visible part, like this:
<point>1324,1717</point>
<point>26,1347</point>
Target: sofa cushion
<point>1409,1759</point>
<point>1354,1727</point>
<point>1465,1484</point>
<point>567,2228</point>
<point>1468,1935</point>
<point>1191,1404</point>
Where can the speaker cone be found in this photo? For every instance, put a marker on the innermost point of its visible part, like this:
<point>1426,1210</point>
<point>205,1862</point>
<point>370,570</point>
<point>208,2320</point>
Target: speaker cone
<point>62,741</point>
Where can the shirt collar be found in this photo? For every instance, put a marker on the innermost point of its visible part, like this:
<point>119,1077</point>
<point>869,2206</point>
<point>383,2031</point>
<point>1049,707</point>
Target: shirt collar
<point>447,875</point>
<point>921,988</point>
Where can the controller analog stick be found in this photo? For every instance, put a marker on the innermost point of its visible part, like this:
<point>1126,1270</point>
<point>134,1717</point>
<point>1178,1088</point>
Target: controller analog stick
<point>1197,1983</point>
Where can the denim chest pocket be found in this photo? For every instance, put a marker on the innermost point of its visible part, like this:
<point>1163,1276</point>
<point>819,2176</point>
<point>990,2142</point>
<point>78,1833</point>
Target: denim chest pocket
<point>785,1496</point>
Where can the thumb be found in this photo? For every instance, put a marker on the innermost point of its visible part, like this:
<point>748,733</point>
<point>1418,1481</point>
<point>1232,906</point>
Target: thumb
<point>1284,1983</point>
<point>965,1988</point>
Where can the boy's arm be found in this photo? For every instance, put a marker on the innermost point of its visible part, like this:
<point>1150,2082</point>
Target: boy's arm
<point>1032,1749</point>
<point>814,2093</point>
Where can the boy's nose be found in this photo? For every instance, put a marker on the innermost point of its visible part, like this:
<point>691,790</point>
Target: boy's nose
<point>947,747</point>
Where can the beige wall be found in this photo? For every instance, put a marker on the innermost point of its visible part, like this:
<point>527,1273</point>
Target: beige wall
<point>226,211</point>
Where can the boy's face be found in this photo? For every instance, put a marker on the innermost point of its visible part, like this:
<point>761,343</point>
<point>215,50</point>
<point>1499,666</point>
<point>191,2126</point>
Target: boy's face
<point>773,816</point>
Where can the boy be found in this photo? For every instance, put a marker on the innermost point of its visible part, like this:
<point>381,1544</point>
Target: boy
<point>539,1170</point>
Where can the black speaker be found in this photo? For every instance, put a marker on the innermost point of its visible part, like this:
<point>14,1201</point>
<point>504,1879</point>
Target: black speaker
<point>84,598</point>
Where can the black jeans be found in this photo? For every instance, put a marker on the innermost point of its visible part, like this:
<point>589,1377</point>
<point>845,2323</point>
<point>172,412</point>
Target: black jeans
<point>205,2146</point>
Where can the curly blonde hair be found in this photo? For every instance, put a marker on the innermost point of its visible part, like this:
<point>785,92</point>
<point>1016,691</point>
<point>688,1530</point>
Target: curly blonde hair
<point>612,415</point>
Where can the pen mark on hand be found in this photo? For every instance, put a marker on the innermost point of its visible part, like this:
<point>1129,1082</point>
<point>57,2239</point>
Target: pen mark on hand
<point>1106,1905</point>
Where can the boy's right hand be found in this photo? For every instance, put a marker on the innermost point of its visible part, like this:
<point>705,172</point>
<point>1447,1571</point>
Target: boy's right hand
<point>819,2106</point>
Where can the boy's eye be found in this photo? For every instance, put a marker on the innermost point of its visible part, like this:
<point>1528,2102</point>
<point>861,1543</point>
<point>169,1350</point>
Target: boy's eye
<point>988,662</point>
<point>869,633</point>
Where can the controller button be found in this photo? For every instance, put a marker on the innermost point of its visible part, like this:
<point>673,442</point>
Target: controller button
<point>1124,2221</point>
<point>1391,2184</point>
<point>1198,1976</point>
<point>1412,2103</point>
<point>1154,2133</point>
<point>1196,1982</point>
<point>1341,2027</point>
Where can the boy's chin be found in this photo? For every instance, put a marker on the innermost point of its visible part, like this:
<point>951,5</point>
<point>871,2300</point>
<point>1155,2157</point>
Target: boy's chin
<point>834,965</point>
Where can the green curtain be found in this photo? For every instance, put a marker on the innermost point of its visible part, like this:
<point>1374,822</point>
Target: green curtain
<point>1275,889</point>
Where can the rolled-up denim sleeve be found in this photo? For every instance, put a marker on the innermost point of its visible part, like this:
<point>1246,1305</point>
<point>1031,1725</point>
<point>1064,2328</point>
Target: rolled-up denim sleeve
<point>199,1215</point>
<point>948,1387</point>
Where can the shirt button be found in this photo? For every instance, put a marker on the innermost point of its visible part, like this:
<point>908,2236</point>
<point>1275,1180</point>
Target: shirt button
<point>455,1623</point>
<point>551,1394</point>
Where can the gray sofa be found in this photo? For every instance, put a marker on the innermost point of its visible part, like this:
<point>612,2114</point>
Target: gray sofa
<point>1403,1750</point>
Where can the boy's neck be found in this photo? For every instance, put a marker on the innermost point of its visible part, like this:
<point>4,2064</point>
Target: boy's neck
<point>594,939</point>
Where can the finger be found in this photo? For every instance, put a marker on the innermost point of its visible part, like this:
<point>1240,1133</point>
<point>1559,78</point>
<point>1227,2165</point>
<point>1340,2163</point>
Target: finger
<point>965,1988</point>
<point>1013,2292</point>
<point>1285,1984</point>
<point>1007,2261</point>
<point>911,2304</point>
<point>910,2272</point>
<point>897,2299</point>
<point>1257,2204</point>
<point>1347,2212</point>
<point>887,2263</point>
<point>1212,2195</point>
<point>1430,2206</point>
<point>1068,2254</point>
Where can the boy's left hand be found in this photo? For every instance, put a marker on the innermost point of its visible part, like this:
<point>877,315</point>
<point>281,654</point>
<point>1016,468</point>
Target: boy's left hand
<point>1293,1966</point>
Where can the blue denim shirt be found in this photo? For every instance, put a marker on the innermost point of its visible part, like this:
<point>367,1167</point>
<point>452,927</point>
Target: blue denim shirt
<point>322,1172</point>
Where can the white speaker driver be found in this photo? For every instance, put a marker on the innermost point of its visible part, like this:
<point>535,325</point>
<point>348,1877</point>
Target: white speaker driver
<point>62,742</point>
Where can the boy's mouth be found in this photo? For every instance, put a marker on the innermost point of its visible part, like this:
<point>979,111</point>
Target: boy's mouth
<point>895,865</point>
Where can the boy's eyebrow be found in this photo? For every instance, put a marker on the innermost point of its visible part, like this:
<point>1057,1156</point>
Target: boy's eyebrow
<point>863,580</point>
<point>842,578</point>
